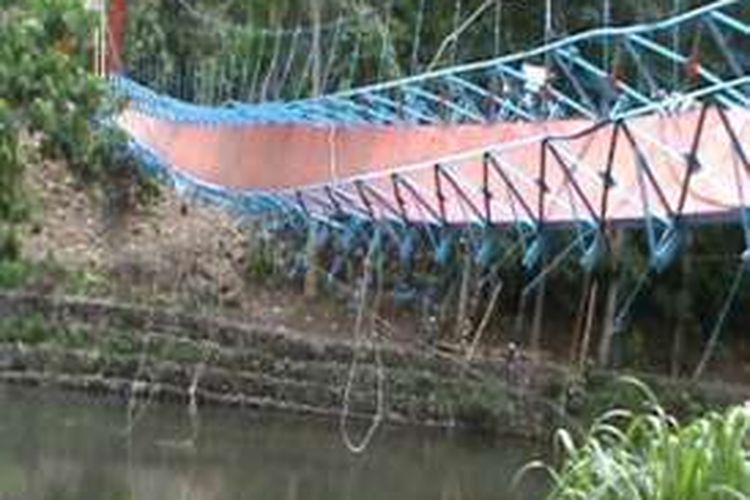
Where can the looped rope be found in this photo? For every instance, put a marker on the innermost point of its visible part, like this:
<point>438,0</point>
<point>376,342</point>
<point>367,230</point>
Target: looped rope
<point>373,254</point>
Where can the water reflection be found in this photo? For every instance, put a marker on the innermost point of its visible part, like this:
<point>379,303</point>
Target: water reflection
<point>65,447</point>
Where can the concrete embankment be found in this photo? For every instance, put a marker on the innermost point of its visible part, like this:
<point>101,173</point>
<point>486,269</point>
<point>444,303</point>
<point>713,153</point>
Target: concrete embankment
<point>102,347</point>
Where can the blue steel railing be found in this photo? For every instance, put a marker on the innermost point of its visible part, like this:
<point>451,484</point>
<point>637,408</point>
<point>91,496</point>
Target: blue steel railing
<point>640,77</point>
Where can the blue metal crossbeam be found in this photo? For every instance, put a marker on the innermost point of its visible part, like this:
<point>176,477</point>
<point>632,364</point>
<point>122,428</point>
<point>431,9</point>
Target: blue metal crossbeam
<point>576,86</point>
<point>595,71</point>
<point>707,75</point>
<point>470,80</point>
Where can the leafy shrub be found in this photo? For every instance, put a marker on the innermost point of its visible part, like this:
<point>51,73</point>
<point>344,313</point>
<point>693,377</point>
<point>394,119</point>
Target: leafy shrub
<point>13,273</point>
<point>483,407</point>
<point>260,261</point>
<point>10,247</point>
<point>54,106</point>
<point>84,282</point>
<point>30,330</point>
<point>46,50</point>
<point>11,167</point>
<point>648,456</point>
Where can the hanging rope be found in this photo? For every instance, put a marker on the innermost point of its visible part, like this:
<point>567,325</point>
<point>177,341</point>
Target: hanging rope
<point>223,25</point>
<point>281,83</point>
<point>332,55</point>
<point>361,343</point>
<point>624,310</point>
<point>417,38</point>
<point>388,66</point>
<point>738,157</point>
<point>307,70</point>
<point>271,69</point>
<point>456,23</point>
<point>494,297</point>
<point>256,72</point>
<point>259,85</point>
<point>354,61</point>
<point>723,315</point>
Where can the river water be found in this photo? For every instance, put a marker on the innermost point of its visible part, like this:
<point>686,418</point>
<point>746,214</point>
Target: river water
<point>70,447</point>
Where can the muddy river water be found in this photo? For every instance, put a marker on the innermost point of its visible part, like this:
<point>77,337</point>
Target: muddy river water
<point>65,446</point>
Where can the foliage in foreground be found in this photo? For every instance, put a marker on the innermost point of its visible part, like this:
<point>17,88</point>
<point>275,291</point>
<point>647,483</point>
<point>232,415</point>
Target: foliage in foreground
<point>649,455</point>
<point>48,89</point>
<point>52,107</point>
<point>48,100</point>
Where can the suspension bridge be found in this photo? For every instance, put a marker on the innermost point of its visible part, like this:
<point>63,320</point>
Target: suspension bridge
<point>642,126</point>
<point>589,132</point>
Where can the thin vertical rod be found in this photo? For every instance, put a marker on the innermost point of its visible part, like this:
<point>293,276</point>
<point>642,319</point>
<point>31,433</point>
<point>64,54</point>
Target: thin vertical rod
<point>676,8</point>
<point>607,22</point>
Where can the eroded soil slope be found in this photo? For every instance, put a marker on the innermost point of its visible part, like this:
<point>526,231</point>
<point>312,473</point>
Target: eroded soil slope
<point>170,251</point>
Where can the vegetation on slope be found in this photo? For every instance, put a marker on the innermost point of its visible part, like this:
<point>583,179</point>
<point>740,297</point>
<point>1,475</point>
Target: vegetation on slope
<point>49,101</point>
<point>49,93</point>
<point>649,455</point>
<point>53,108</point>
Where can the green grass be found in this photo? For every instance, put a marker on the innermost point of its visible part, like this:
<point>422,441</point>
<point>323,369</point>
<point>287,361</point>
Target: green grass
<point>23,274</point>
<point>14,273</point>
<point>85,283</point>
<point>649,455</point>
<point>28,330</point>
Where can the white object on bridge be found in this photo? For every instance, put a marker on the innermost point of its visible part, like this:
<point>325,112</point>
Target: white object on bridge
<point>536,77</point>
<point>96,5</point>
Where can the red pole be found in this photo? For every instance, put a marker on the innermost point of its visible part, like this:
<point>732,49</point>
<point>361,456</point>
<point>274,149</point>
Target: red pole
<point>116,27</point>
